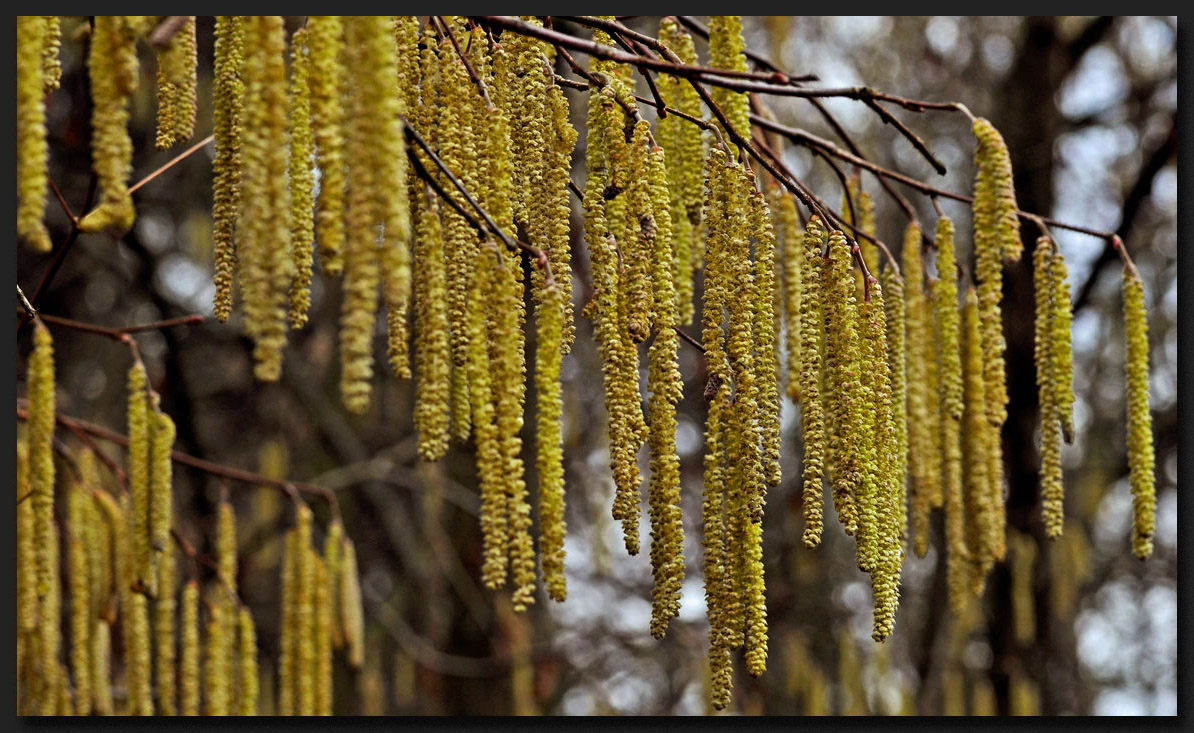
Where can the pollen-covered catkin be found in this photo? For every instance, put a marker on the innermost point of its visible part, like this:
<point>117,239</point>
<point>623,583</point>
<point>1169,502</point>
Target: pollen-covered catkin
<point>996,237</point>
<point>304,603</point>
<point>1052,489</point>
<point>302,179</point>
<point>726,51</point>
<point>812,420</point>
<point>792,257</point>
<point>323,637</point>
<point>766,334</point>
<point>1141,459</point>
<point>40,386</point>
<point>188,663</point>
<point>636,248</point>
<point>161,491</point>
<point>326,43</point>
<point>27,552</point>
<point>894,312</point>
<point>1062,352</point>
<point>217,683</point>
<point>140,426</point>
<point>288,648</point>
<point>433,358</point>
<point>137,659</point>
<point>247,691</point>
<point>50,49</point>
<point>227,112</point>
<point>976,449</point>
<point>176,87</point>
<point>163,633</point>
<point>549,440</point>
<point>845,385</point>
<point>332,555</point>
<point>32,150</point>
<point>113,69</point>
<point>263,229</point>
<point>351,609</point>
<point>923,464</point>
<point>80,601</point>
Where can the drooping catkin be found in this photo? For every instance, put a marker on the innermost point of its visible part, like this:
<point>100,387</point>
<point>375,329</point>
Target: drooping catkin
<point>28,555</point>
<point>188,663</point>
<point>101,667</point>
<point>227,111</point>
<point>351,609</point>
<point>945,303</point>
<point>50,49</point>
<point>726,51</point>
<point>304,612</point>
<point>996,237</point>
<point>32,150</point>
<point>845,385</point>
<point>766,334</point>
<point>113,69</point>
<point>263,228</point>
<point>1063,350</point>
<point>40,381</point>
<point>140,431</point>
<point>288,652</point>
<point>714,544</point>
<point>302,179</point>
<point>323,637</point>
<point>923,463</point>
<point>1141,458</point>
<point>1052,488</point>
<point>433,358</point>
<point>549,440</point>
<point>666,388</point>
<point>558,207</point>
<point>976,449</point>
<point>894,307</point>
<point>161,493</point>
<point>80,601</point>
<point>163,633</point>
<point>247,690</point>
<point>792,257</point>
<point>332,556</point>
<point>326,42</point>
<point>217,681</point>
<point>176,87</point>
<point>137,656</point>
<point>812,420</point>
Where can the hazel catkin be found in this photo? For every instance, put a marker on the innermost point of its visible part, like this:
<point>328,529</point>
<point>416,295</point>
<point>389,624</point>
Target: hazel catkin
<point>163,633</point>
<point>247,687</point>
<point>1141,458</point>
<point>40,386</point>
<point>549,441</point>
<point>302,179</point>
<point>812,420</point>
<point>227,113</point>
<point>32,150</point>
<point>1043,346</point>
<point>326,44</point>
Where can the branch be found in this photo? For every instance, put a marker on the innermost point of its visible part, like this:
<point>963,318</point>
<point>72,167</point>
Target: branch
<point>166,30</point>
<point>121,334</point>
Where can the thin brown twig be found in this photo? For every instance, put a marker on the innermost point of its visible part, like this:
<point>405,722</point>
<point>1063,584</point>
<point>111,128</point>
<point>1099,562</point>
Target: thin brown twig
<point>167,29</point>
<point>60,254</point>
<point>119,334</point>
<point>468,66</point>
<point>171,163</point>
<point>62,202</point>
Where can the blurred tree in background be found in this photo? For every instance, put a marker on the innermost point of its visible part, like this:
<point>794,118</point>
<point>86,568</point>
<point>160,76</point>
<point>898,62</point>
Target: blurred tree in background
<point>1077,626</point>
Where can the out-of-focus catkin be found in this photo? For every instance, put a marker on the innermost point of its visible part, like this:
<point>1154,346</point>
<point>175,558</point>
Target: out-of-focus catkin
<point>323,637</point>
<point>32,150</point>
<point>1062,352</point>
<point>1141,458</point>
<point>217,683</point>
<point>164,608</point>
<point>80,601</point>
<point>188,664</point>
<point>351,609</point>
<point>923,464</point>
<point>161,492</point>
<point>980,508</point>
<point>113,69</point>
<point>247,689</point>
<point>227,110</point>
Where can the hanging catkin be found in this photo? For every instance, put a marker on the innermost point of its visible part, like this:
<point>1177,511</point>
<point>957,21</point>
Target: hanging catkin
<point>227,113</point>
<point>188,665</point>
<point>1052,490</point>
<point>1141,459</point>
<point>666,388</point>
<point>176,87</point>
<point>302,179</point>
<point>50,51</point>
<point>247,691</point>
<point>432,348</point>
<point>161,493</point>
<point>80,601</point>
<point>101,667</point>
<point>351,609</point>
<point>549,441</point>
<point>28,554</point>
<point>140,427</point>
<point>332,555</point>
<point>844,388</point>
<point>113,70</point>
<point>1062,352</point>
<point>135,629</point>
<point>304,613</point>
<point>766,334</point>
<point>787,223</point>
<point>288,648</point>
<point>263,229</point>
<point>327,53</point>
<point>976,449</point>
<point>217,682</point>
<point>323,637</point>
<point>894,307</point>
<point>923,464</point>
<point>226,559</point>
<point>812,421</point>
<point>557,206</point>
<point>726,51</point>
<point>32,150</point>
<point>163,633</point>
<point>40,386</point>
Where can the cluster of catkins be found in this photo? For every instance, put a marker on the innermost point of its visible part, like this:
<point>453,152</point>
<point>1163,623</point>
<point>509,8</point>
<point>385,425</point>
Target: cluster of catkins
<point>122,581</point>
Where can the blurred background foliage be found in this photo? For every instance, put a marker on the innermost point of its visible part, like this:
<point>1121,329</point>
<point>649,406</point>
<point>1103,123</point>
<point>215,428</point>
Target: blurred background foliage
<point>1088,108</point>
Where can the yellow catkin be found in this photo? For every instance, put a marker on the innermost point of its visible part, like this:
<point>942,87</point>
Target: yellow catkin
<point>176,87</point>
<point>1023,605</point>
<point>80,602</point>
<point>844,389</point>
<point>766,334</point>
<point>161,492</point>
<point>549,441</point>
<point>1063,350</point>
<point>50,50</point>
<point>287,661</point>
<point>40,387</point>
<point>666,388</point>
<point>247,691</point>
<point>101,667</point>
<point>1052,488</point>
<point>332,556</point>
<point>113,68</point>
<point>432,346</point>
<point>351,609</point>
<point>976,449</point>
<point>140,431</point>
<point>893,304</point>
<point>32,150</point>
<point>489,453</point>
<point>923,464</point>
<point>684,145</point>
<point>227,111</point>
<point>323,637</point>
<point>304,605</point>
<point>558,206</point>
<point>263,227</point>
<point>636,249</point>
<point>226,560</point>
<point>302,179</point>
<point>996,237</point>
<point>327,120</point>
<point>137,656</point>
<point>27,552</point>
<point>188,664</point>
<point>217,690</point>
<point>163,633</point>
<point>812,420</point>
<point>1141,458</point>
<point>787,223</point>
<point>713,541</point>
<point>726,51</point>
